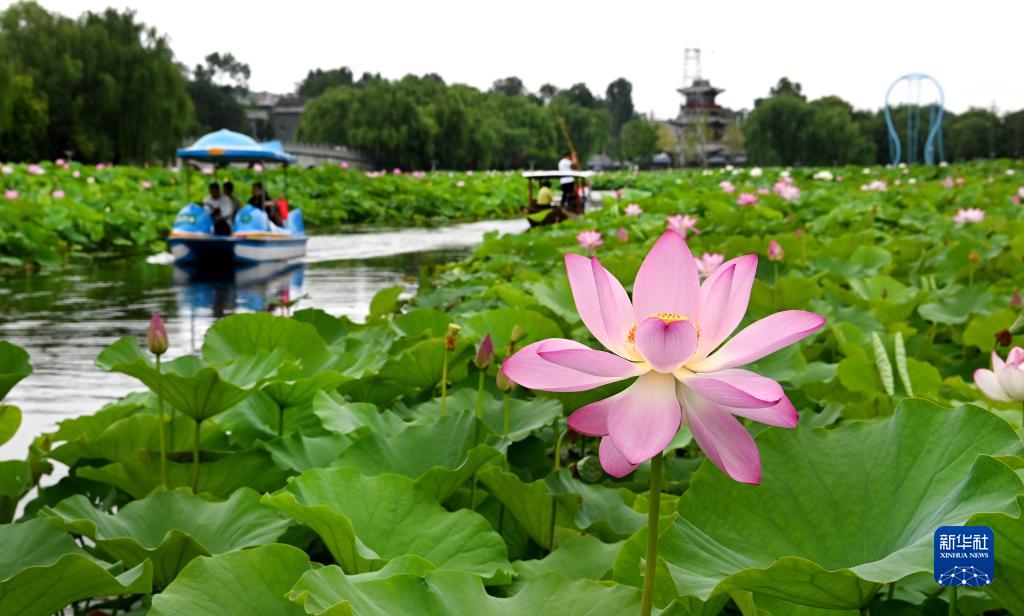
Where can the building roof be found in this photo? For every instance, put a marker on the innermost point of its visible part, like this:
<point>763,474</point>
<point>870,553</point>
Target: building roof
<point>700,86</point>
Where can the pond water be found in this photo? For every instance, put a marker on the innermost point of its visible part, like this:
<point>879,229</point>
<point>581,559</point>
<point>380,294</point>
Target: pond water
<point>65,318</point>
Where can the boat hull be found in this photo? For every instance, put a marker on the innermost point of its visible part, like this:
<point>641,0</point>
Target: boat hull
<point>218,250</point>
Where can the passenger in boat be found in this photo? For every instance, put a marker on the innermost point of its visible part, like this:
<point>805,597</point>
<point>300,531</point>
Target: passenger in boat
<point>229,192</point>
<point>566,183</point>
<point>544,196</point>
<point>220,208</point>
<point>263,201</point>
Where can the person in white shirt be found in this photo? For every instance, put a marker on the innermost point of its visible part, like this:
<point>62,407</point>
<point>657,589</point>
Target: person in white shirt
<point>566,182</point>
<point>221,208</point>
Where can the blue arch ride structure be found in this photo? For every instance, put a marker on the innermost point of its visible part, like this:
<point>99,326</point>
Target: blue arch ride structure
<point>933,141</point>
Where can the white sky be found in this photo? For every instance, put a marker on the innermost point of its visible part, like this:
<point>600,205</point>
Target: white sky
<point>852,49</point>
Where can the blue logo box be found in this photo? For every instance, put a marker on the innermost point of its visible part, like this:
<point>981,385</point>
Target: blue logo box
<point>964,556</point>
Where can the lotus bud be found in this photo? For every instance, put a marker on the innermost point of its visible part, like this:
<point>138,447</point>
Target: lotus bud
<point>451,337</point>
<point>1004,338</point>
<point>156,336</point>
<point>775,252</point>
<point>1016,302</point>
<point>974,256</point>
<point>484,353</point>
<point>504,383</point>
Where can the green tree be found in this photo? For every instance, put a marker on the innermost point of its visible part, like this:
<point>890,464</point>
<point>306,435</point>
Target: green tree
<point>1013,135</point>
<point>216,89</point>
<point>580,94</point>
<point>319,81</point>
<point>639,140</point>
<point>775,133</point>
<point>618,98</point>
<point>973,134</point>
<point>509,86</point>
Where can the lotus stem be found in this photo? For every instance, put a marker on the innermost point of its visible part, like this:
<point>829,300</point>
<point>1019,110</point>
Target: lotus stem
<point>892,591</point>
<point>551,528</point>
<point>195,457</point>
<point>505,415</point>
<point>444,382</point>
<point>163,435</point>
<point>480,397</point>
<point>651,562</point>
<point>558,449</point>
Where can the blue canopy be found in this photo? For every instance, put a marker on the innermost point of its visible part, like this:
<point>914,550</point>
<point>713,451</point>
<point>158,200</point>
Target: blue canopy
<point>231,147</point>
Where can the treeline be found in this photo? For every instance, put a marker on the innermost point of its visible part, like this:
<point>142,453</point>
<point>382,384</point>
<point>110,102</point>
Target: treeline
<point>422,122</point>
<point>786,129</point>
<point>99,87</point>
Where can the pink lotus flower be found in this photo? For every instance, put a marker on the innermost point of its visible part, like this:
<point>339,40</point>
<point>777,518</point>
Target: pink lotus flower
<point>146,185</point>
<point>971,214</point>
<point>875,185</point>
<point>7,170</point>
<point>775,252</point>
<point>623,235</point>
<point>589,240</point>
<point>1015,199</point>
<point>59,162</point>
<point>785,189</point>
<point>344,164</point>
<point>633,210</point>
<point>99,166</point>
<point>460,184</point>
<point>682,224</point>
<point>727,186</point>
<point>75,173</point>
<point>418,175</point>
<point>1005,381</point>
<point>257,167</point>
<point>708,263</point>
<point>747,199</point>
<point>35,170</point>
<point>618,193</point>
<point>947,182</point>
<point>57,194</point>
<point>206,170</point>
<point>763,191</point>
<point>469,172</point>
<point>10,194</point>
<point>839,178</point>
<point>668,336</point>
<point>396,171</point>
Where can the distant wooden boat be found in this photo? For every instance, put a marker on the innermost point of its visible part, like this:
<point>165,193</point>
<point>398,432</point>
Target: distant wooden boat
<point>549,214</point>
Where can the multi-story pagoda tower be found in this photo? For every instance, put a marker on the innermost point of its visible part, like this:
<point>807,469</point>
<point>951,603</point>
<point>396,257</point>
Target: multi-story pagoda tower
<point>701,122</point>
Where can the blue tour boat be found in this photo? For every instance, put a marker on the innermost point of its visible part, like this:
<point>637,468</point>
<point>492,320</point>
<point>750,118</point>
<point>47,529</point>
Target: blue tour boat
<point>254,237</point>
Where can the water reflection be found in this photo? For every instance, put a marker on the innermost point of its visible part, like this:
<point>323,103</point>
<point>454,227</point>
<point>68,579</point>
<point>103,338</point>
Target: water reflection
<point>65,318</point>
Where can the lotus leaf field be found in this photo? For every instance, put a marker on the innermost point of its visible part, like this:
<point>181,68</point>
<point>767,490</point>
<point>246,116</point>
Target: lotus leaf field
<point>320,466</point>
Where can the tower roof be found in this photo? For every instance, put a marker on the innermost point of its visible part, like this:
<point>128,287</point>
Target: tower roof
<point>700,86</point>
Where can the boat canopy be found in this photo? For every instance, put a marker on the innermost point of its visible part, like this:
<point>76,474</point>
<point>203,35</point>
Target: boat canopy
<point>230,147</point>
<point>557,174</point>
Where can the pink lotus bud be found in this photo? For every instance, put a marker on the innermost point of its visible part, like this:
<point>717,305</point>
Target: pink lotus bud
<point>57,194</point>
<point>623,235</point>
<point>484,353</point>
<point>344,164</point>
<point>1015,301</point>
<point>146,185</point>
<point>156,336</point>
<point>396,171</point>
<point>775,252</point>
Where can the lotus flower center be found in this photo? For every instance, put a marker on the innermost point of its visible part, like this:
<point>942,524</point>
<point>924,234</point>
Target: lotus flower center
<point>668,317</point>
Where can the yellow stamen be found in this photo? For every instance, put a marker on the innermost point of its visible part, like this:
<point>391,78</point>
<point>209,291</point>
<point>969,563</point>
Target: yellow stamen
<point>669,317</point>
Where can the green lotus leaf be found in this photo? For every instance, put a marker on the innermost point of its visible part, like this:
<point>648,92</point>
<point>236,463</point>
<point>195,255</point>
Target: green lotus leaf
<point>533,506</point>
<point>170,528</point>
<point>298,452</point>
<point>134,433</point>
<point>42,570</point>
<point>525,416</point>
<point>420,366</point>
<point>250,334</point>
<point>839,513</point>
<point>10,419</point>
<point>257,419</point>
<point>92,426</point>
<point>15,482</point>
<point>366,521</point>
<point>301,391</point>
<point>605,510</point>
<point>241,583</point>
<point>500,322</point>
<point>347,417</point>
<point>14,366</point>
<point>1008,587</point>
<point>330,592</point>
<point>139,474</point>
<point>385,302</point>
<point>422,322</point>
<point>193,389</point>
<point>440,456</point>
<point>582,557</point>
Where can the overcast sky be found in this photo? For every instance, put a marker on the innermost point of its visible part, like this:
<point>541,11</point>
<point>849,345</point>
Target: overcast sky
<point>852,49</point>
